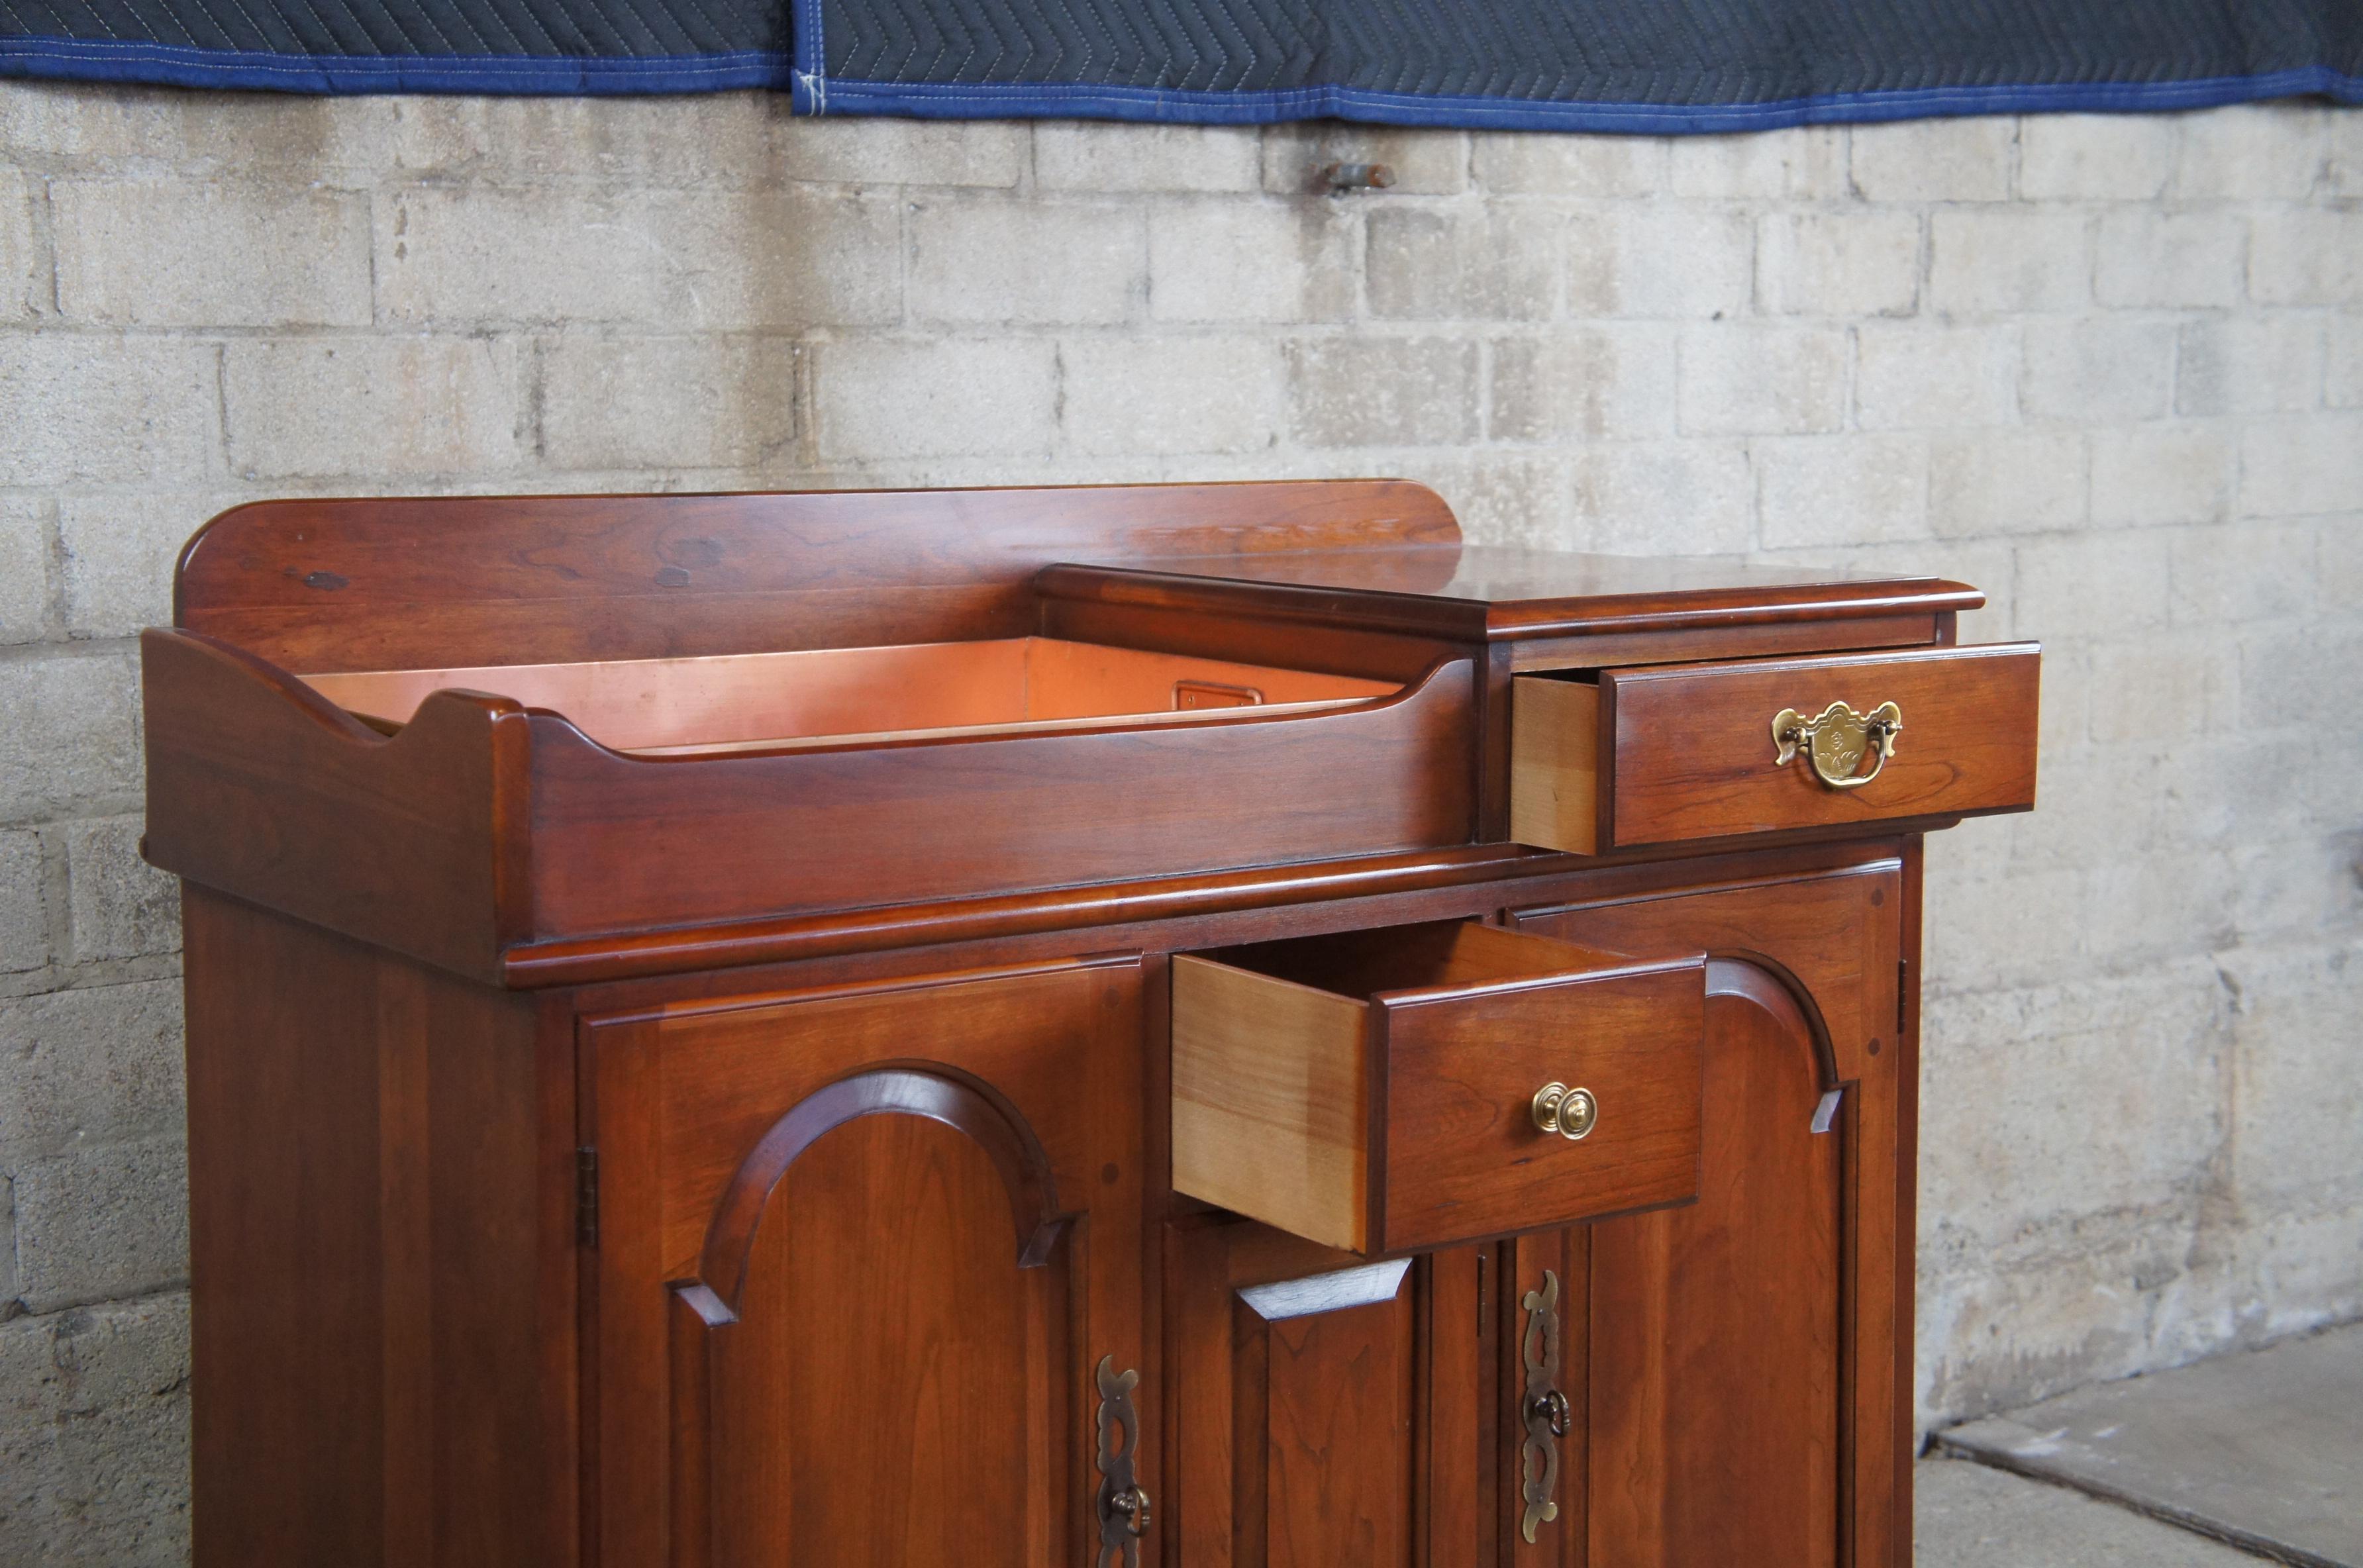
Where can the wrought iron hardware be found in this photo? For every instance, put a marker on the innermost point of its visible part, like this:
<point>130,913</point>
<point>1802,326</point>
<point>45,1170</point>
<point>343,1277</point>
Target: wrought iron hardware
<point>1123,1502</point>
<point>1548,1413</point>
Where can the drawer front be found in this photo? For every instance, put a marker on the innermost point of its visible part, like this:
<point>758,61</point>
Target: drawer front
<point>1464,1155</point>
<point>1674,751</point>
<point>1377,1092</point>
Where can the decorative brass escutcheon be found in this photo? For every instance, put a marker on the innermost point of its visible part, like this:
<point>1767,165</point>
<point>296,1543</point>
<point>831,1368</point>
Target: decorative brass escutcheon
<point>1835,743</point>
<point>1547,1412</point>
<point>1572,1113</point>
<point>1122,1501</point>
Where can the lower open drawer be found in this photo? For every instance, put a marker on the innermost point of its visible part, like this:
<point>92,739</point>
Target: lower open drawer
<point>1420,1086</point>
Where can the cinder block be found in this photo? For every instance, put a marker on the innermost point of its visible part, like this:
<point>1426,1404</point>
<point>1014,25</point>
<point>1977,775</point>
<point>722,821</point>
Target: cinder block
<point>2253,152</point>
<point>2007,481</point>
<point>670,260</point>
<point>2163,687</point>
<point>1592,383</point>
<point>2152,259</point>
<point>1508,498</point>
<point>2300,1099</point>
<point>1383,392</point>
<point>24,917</point>
<point>2093,585</point>
<point>2297,888</point>
<point>2005,262</point>
<point>1538,164</point>
<point>2307,258</point>
<point>2098,369</point>
<point>1740,380</point>
<point>1838,263</point>
<point>24,285</point>
<point>1101,156</point>
<point>2344,171</point>
<point>2249,364</point>
<point>118,554</point>
<point>886,400</point>
<point>130,129</point>
<point>25,598</point>
<point>976,261</point>
<point>1975,934</point>
<point>2338,557</point>
<point>168,253</point>
<point>94,1433</point>
<point>69,735</point>
<point>612,403</point>
<point>2246,571</point>
<point>1841,489</point>
<point>1220,262</point>
<point>2303,465</point>
<point>1625,493</point>
<point>372,407</point>
<point>98,1224</point>
<point>121,906</point>
<point>1934,161</point>
<point>2342,384</point>
<point>668,142</point>
<point>104,409</point>
<point>1920,377</point>
<point>2123,158</point>
<point>2146,475</point>
<point>1432,264</point>
<point>1127,394</point>
<point>1660,261</point>
<point>2013,1081</point>
<point>865,151</point>
<point>89,1067</point>
<point>2293,678</point>
<point>1804,163</point>
<point>1425,163</point>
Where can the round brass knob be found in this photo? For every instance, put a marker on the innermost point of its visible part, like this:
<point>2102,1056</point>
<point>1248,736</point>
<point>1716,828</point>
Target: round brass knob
<point>1569,1112</point>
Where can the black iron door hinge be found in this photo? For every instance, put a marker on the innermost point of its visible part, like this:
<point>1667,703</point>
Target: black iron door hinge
<point>1902,996</point>
<point>586,1196</point>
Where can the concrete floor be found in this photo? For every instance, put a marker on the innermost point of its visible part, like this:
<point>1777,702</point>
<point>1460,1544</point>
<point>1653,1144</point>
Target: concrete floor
<point>1966,1515</point>
<point>2264,1450</point>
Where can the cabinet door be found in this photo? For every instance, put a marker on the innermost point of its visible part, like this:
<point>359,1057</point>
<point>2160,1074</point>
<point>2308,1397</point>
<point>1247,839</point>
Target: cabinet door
<point>860,1255</point>
<point>1325,1408</point>
<point>1741,1381</point>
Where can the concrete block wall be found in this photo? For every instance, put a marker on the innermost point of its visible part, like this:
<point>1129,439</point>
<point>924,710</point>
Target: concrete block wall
<point>2109,369</point>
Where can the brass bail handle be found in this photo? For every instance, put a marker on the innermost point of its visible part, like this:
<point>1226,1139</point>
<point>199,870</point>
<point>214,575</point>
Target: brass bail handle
<point>1834,744</point>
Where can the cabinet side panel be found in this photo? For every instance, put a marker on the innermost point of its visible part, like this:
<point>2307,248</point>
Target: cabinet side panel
<point>366,1167</point>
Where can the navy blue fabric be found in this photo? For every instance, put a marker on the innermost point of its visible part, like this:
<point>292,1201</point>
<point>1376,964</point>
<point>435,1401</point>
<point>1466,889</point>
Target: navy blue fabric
<point>1592,65</point>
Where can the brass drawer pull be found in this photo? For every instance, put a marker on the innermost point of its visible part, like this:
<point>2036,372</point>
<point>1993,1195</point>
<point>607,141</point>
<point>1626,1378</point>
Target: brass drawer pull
<point>1572,1113</point>
<point>1835,743</point>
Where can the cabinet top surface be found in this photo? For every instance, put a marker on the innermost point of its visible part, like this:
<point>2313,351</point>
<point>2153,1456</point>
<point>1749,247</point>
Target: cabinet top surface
<point>1497,591</point>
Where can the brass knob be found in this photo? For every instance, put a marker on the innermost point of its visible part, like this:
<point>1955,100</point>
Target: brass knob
<point>1569,1112</point>
<point>1834,744</point>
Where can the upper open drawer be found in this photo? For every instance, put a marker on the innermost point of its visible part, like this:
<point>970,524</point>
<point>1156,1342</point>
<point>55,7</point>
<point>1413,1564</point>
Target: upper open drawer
<point>1661,753</point>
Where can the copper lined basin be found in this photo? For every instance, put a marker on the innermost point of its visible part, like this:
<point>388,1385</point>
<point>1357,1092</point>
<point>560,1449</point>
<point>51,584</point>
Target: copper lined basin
<point>848,696</point>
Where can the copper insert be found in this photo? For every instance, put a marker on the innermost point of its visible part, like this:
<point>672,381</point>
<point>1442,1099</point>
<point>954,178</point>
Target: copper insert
<point>836,696</point>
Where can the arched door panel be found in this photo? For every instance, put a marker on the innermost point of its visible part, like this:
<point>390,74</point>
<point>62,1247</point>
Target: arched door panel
<point>877,1352</point>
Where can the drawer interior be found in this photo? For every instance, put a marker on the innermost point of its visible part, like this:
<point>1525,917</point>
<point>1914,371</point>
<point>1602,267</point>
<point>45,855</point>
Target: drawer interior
<point>850,696</point>
<point>1373,1091</point>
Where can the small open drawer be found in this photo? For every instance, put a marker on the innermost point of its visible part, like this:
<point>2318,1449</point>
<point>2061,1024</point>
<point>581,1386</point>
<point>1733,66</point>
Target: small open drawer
<point>1385,1091</point>
<point>1688,751</point>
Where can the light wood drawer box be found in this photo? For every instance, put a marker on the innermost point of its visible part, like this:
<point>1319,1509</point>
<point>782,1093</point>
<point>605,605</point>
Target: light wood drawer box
<point>1670,752</point>
<point>1375,1090</point>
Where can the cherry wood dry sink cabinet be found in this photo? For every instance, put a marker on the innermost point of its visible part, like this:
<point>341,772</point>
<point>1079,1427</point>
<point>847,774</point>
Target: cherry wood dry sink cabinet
<point>1207,1025</point>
